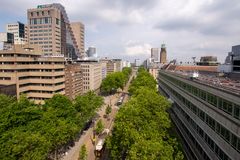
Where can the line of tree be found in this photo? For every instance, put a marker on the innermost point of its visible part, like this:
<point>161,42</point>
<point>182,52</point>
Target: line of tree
<point>142,128</point>
<point>115,81</point>
<point>39,132</point>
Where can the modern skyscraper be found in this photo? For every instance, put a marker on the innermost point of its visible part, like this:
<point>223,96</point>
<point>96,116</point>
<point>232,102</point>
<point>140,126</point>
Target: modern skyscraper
<point>79,33</point>
<point>163,54</point>
<point>49,27</point>
<point>155,54</point>
<point>18,30</point>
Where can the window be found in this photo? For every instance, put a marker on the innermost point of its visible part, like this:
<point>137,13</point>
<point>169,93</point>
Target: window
<point>57,21</point>
<point>237,111</point>
<point>227,106</point>
<point>202,115</point>
<point>234,141</point>
<point>212,99</point>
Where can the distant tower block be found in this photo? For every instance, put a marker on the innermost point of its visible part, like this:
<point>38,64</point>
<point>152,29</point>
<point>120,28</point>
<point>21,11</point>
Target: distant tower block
<point>163,54</point>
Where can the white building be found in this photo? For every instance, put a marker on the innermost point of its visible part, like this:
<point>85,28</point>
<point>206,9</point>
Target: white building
<point>155,54</point>
<point>18,30</point>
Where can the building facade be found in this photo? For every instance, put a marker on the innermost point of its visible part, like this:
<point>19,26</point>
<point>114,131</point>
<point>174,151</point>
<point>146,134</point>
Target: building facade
<point>155,54</point>
<point>37,76</point>
<point>111,67</point>
<point>79,34</point>
<point>92,75</point>
<point>118,64</point>
<point>18,30</point>
<point>207,116</point>
<point>163,54</point>
<point>73,80</point>
<point>49,27</point>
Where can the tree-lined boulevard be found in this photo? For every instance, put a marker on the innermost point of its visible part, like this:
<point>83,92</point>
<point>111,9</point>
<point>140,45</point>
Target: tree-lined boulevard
<point>69,130</point>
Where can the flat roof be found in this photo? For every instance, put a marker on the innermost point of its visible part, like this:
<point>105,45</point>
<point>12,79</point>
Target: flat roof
<point>218,82</point>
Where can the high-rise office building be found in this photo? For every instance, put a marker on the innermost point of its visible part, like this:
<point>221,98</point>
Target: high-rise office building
<point>79,33</point>
<point>163,54</point>
<point>49,27</point>
<point>155,54</point>
<point>18,30</point>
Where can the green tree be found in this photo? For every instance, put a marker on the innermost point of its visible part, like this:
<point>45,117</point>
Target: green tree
<point>115,81</point>
<point>83,153</point>
<point>108,110</point>
<point>30,131</point>
<point>99,127</point>
<point>142,125</point>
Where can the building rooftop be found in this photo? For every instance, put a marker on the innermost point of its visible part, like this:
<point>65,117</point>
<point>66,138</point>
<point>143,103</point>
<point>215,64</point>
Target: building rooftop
<point>191,68</point>
<point>214,80</point>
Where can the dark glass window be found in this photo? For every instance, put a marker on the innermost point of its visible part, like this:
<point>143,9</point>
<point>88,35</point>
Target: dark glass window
<point>237,111</point>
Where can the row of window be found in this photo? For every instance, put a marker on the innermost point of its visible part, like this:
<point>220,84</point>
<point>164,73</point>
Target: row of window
<point>221,103</point>
<point>40,84</point>
<point>5,78</point>
<point>229,137</point>
<point>38,77</point>
<point>42,63</point>
<point>42,13</point>
<point>212,145</point>
<point>40,34</point>
<point>45,20</point>
<point>39,70</point>
<point>34,27</point>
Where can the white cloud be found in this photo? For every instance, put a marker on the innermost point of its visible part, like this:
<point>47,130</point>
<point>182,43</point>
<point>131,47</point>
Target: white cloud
<point>189,27</point>
<point>137,49</point>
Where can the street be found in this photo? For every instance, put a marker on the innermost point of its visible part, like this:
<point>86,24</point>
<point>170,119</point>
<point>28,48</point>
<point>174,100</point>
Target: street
<point>86,138</point>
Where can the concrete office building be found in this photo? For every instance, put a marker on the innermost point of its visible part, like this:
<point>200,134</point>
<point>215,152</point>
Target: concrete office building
<point>73,80</point>
<point>208,61</point>
<point>163,54</point>
<point>33,74</point>
<point>111,67</point>
<point>118,64</point>
<point>79,34</point>
<point>155,54</point>
<point>206,112</point>
<point>18,30</point>
<point>92,75</point>
<point>104,68</point>
<point>49,27</point>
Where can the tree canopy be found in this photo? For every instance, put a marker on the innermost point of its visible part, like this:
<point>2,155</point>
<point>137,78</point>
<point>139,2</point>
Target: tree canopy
<point>30,131</point>
<point>143,79</point>
<point>115,80</point>
<point>141,129</point>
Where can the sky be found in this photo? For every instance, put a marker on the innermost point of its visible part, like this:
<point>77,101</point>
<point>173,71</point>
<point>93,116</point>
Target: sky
<point>128,29</point>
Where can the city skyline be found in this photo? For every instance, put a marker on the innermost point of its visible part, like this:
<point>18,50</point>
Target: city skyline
<point>123,29</point>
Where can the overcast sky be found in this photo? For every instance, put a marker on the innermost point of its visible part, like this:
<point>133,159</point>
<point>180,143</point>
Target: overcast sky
<point>129,28</point>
